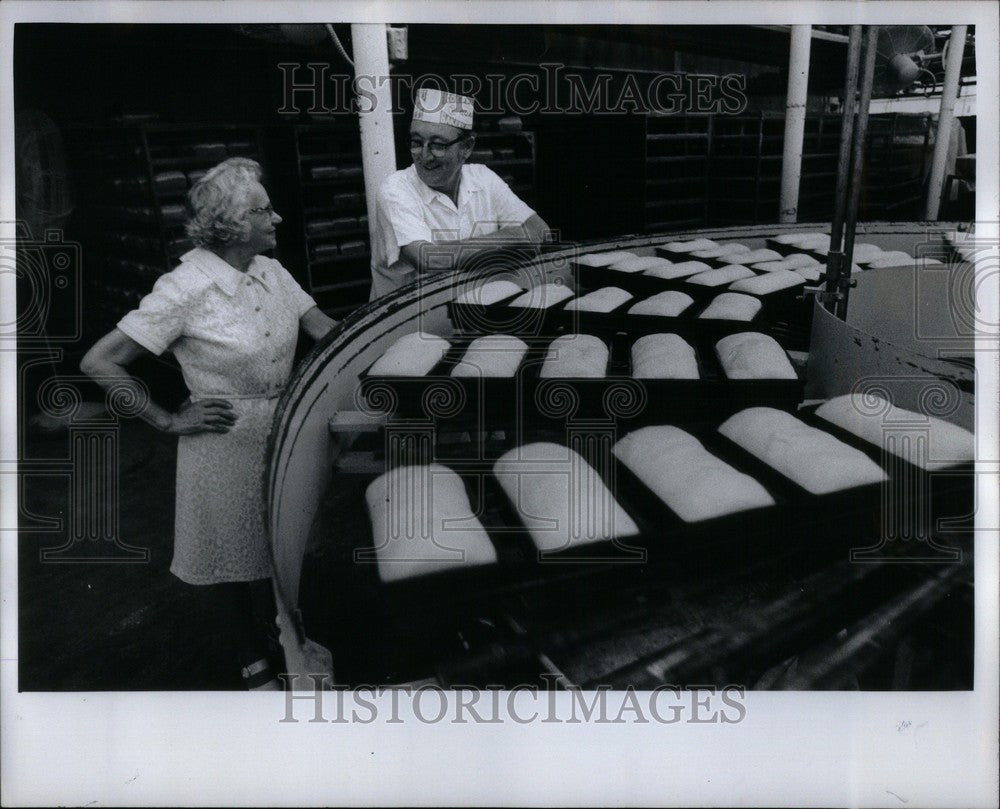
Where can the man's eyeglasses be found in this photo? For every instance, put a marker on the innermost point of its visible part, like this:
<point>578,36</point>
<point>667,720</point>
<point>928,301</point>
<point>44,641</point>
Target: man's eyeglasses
<point>435,147</point>
<point>268,209</point>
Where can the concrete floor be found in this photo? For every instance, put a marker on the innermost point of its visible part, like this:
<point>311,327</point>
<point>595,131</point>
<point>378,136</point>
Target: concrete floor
<point>108,625</point>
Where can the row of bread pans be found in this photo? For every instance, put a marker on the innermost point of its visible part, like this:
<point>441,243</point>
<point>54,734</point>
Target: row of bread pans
<point>618,396</point>
<point>800,523</point>
<point>500,318</point>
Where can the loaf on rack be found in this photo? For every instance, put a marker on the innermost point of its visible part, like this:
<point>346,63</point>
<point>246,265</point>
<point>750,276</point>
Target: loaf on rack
<point>792,262</point>
<point>751,257</point>
<point>799,238</point>
<point>662,304</point>
<point>862,254</point>
<point>639,264</point>
<point>422,522</point>
<point>600,300</point>
<point>750,355</point>
<point>560,498</point>
<point>723,275</point>
<point>663,356</point>
<point>925,441</point>
<point>604,259</point>
<point>721,250</point>
<point>489,293</point>
<point>767,283</point>
<point>575,355</point>
<point>693,483</point>
<point>688,246</point>
<point>732,306</point>
<point>413,355</point>
<point>813,459</point>
<point>682,269</point>
<point>542,296</point>
<point>493,355</point>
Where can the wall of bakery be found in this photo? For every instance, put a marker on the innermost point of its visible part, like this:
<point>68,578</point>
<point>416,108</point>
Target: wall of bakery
<point>141,110</point>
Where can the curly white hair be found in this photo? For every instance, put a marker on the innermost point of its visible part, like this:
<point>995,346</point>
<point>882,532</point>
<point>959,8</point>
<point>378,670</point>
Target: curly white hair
<point>218,203</point>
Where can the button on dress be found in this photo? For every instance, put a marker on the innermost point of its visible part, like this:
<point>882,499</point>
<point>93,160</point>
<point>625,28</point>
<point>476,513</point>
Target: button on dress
<point>234,336</point>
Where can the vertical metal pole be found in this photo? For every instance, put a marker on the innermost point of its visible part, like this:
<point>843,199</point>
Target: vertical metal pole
<point>834,258</point>
<point>952,73</point>
<point>857,167</point>
<point>378,148</point>
<point>795,122</point>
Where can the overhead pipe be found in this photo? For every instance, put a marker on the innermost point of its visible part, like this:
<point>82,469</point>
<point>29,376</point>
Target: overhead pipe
<point>378,146</point>
<point>834,259</point>
<point>795,122</point>
<point>946,114</point>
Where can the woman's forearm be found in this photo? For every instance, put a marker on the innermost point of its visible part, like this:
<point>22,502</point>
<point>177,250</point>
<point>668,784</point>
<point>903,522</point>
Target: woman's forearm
<point>109,374</point>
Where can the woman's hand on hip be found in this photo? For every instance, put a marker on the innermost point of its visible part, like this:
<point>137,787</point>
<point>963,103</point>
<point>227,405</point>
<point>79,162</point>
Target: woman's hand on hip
<point>203,416</point>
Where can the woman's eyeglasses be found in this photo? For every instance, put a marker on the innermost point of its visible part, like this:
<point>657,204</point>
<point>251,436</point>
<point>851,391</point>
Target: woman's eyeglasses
<point>435,147</point>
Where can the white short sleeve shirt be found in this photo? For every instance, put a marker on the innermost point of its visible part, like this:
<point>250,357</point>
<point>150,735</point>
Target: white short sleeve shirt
<point>409,211</point>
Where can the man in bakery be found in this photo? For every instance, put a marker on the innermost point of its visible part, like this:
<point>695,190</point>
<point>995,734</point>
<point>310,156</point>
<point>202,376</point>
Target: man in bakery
<point>462,209</point>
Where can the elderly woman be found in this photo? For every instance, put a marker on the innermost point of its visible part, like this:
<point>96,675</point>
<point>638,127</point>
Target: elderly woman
<point>231,317</point>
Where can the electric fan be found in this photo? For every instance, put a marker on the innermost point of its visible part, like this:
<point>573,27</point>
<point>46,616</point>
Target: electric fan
<point>903,53</point>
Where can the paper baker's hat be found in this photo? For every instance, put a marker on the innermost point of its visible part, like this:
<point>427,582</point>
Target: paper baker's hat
<point>437,107</point>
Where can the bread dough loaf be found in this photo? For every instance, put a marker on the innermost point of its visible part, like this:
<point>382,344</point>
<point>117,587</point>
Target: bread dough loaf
<point>751,257</point>
<point>811,275</point>
<point>488,293</point>
<point>663,356</point>
<point>689,246</point>
<point>575,355</point>
<point>600,300</point>
<point>682,269</point>
<point>639,264</point>
<point>767,283</point>
<point>888,258</point>
<point>815,460</point>
<point>693,483</point>
<point>873,419</point>
<point>732,306</point>
<point>604,259</point>
<point>422,523</point>
<point>662,304</point>
<point>721,250</point>
<point>413,355</point>
<point>560,498</point>
<point>542,297</point>
<point>799,238</point>
<point>493,355</point>
<point>792,262</point>
<point>750,355</point>
<point>723,275</point>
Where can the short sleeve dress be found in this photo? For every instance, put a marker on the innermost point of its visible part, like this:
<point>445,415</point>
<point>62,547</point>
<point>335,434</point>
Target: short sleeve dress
<point>234,335</point>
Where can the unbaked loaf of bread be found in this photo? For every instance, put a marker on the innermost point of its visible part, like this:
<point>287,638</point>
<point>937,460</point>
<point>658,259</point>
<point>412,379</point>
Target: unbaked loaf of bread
<point>422,523</point>
<point>662,304</point>
<point>542,297</point>
<point>693,483</point>
<point>682,269</point>
<point>493,355</point>
<point>799,238</point>
<point>413,355</point>
<point>575,355</point>
<point>751,257</point>
<point>560,498</point>
<point>600,300</point>
<point>811,275</point>
<point>721,250</point>
<point>813,459</point>
<point>732,306</point>
<point>639,264</point>
<point>767,283</point>
<point>488,293</point>
<point>688,246</point>
<point>604,259</point>
<point>862,254</point>
<point>932,442</point>
<point>792,262</point>
<point>663,356</point>
<point>723,275</point>
<point>750,355</point>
